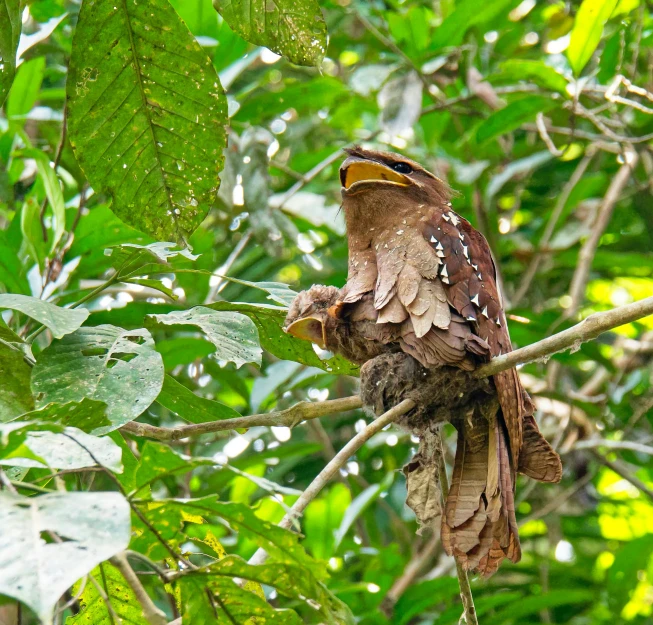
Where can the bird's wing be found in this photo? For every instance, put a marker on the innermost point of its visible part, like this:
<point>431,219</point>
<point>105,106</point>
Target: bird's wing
<point>469,276</point>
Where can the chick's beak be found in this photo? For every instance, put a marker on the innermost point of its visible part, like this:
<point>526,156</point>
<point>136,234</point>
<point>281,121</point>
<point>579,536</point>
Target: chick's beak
<point>356,170</point>
<point>309,329</point>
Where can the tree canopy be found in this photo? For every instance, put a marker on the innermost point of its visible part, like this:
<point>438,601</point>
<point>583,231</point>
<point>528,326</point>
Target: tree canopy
<point>168,182</point>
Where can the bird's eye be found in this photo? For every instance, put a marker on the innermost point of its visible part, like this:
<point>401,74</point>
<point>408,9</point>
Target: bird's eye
<point>402,168</point>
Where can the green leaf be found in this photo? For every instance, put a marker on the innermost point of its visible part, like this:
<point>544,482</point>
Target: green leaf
<point>190,407</point>
<point>88,415</point>
<point>94,609</point>
<point>53,191</point>
<point>269,321</point>
<point>158,460</point>
<point>116,366</point>
<point>10,25</point>
<point>537,72</point>
<point>67,450</point>
<point>146,115</point>
<point>513,116</point>
<point>30,224</point>
<point>291,581</point>
<point>26,87</point>
<point>468,13</point>
<point>233,605</point>
<point>293,28</point>
<point>586,33</point>
<point>278,292</point>
<point>61,321</point>
<point>234,336</point>
<point>95,526</point>
<point>183,351</point>
<point>15,396</point>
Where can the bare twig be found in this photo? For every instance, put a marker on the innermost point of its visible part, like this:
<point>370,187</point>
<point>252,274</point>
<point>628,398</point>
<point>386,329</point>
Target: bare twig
<point>226,267</point>
<point>586,255</point>
<point>290,417</point>
<point>586,330</point>
<point>593,443</point>
<point>338,461</point>
<point>469,611</point>
<point>152,614</point>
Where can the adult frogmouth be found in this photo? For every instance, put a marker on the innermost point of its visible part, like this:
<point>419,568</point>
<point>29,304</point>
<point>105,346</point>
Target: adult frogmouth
<point>423,281</point>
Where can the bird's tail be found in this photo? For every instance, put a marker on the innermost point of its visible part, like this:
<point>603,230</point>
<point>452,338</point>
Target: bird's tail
<point>478,524</point>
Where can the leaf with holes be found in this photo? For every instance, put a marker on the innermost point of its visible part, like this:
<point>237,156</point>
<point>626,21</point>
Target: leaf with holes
<point>116,366</point>
<point>10,25</point>
<point>146,115</point>
<point>35,569</point>
<point>234,335</point>
<point>70,449</point>
<point>293,28</point>
<point>61,321</point>
<point>88,415</point>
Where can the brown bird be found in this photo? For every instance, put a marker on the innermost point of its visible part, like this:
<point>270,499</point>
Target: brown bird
<point>422,280</point>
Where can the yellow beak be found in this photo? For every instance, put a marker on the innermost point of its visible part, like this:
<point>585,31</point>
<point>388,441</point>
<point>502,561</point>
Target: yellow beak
<point>309,329</point>
<point>357,170</point>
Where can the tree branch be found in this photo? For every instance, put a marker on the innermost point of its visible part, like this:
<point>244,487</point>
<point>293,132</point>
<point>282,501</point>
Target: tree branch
<point>290,417</point>
<point>586,330</point>
<point>151,613</point>
<point>338,461</point>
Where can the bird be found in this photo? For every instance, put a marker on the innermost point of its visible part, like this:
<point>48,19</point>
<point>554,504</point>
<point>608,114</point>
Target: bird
<point>422,281</point>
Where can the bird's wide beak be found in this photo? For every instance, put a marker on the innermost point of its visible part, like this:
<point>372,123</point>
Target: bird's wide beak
<point>356,170</point>
<point>309,329</point>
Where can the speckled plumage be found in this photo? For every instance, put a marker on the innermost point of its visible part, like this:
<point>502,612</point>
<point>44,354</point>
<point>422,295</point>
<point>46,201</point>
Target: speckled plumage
<point>422,281</point>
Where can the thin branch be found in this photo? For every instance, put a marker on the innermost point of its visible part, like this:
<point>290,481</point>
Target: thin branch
<point>152,614</point>
<point>226,267</point>
<point>586,330</point>
<point>330,470</point>
<point>469,611</point>
<point>586,255</point>
<point>593,443</point>
<point>290,417</point>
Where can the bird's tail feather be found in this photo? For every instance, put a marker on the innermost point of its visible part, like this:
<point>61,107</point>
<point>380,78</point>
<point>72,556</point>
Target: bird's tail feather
<point>478,524</point>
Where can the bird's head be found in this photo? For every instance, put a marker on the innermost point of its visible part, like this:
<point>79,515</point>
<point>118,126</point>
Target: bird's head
<point>371,178</point>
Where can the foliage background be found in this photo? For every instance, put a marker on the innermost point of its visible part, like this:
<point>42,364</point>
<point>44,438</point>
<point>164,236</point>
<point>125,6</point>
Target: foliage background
<point>459,86</point>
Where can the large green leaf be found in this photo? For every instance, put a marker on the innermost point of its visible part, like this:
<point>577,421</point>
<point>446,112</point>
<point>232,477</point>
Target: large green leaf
<point>15,396</point>
<point>190,407</point>
<point>535,603</point>
<point>10,25</point>
<point>588,28</point>
<point>71,449</point>
<point>116,366</point>
<point>94,526</point>
<point>61,321</point>
<point>294,28</point>
<point>269,321</point>
<point>93,607</point>
<point>234,335</point>
<point>512,116</point>
<point>146,115</point>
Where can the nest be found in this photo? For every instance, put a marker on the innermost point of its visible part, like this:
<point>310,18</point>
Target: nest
<point>440,394</point>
